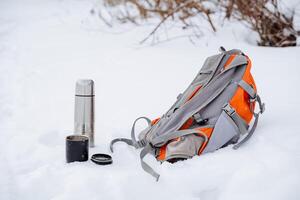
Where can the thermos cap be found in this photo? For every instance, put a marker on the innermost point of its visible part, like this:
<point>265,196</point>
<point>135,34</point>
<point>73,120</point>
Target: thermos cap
<point>101,159</point>
<point>84,87</point>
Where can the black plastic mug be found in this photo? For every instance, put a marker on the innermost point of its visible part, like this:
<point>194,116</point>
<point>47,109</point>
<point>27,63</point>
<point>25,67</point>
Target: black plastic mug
<point>77,148</point>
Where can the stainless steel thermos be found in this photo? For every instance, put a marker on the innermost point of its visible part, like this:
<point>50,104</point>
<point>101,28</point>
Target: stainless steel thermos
<point>84,109</point>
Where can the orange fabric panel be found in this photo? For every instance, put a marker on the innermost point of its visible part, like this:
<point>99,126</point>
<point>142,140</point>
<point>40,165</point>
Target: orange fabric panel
<point>240,100</point>
<point>207,131</point>
<point>162,153</point>
<point>187,124</point>
<point>230,59</point>
<point>155,121</point>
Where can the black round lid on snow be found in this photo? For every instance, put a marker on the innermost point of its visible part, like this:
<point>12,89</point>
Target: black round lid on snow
<point>101,159</point>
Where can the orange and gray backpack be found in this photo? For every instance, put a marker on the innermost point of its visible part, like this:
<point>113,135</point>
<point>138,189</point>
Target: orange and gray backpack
<point>213,112</point>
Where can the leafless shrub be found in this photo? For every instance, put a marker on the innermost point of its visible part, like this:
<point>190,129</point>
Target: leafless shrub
<point>264,17</point>
<point>182,10</point>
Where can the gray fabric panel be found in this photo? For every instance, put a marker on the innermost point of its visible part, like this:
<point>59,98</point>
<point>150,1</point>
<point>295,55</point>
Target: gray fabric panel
<point>214,108</point>
<point>223,132</point>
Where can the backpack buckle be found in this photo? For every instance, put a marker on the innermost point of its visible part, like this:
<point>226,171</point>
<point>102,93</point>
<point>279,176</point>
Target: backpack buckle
<point>257,99</point>
<point>228,109</point>
<point>141,143</point>
<point>253,99</point>
<point>199,120</point>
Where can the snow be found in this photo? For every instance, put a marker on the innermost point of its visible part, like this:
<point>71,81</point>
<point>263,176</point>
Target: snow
<point>45,46</point>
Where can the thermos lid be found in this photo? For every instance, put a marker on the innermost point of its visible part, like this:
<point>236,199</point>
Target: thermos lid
<point>84,87</point>
<point>101,159</point>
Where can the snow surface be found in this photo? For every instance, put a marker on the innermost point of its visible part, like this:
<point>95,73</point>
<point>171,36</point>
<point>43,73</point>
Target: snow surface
<point>45,46</point>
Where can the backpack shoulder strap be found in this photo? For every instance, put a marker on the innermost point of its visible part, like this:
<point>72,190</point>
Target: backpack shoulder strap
<point>132,142</point>
<point>148,149</point>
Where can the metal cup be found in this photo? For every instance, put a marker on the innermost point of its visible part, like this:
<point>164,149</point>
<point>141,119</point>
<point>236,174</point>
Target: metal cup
<point>77,148</point>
